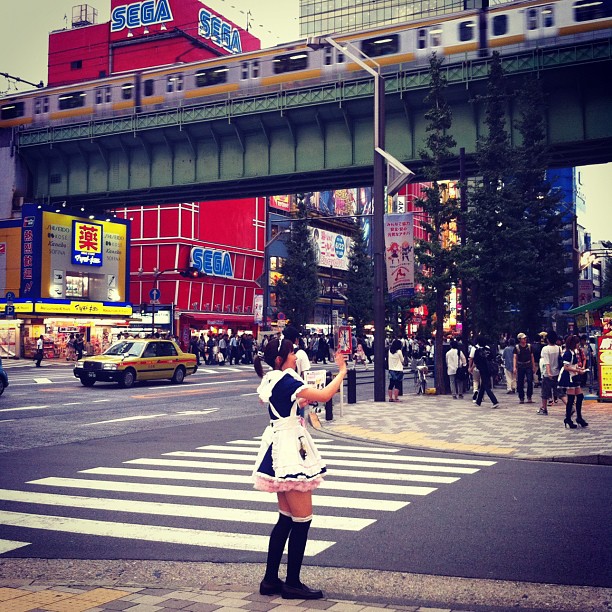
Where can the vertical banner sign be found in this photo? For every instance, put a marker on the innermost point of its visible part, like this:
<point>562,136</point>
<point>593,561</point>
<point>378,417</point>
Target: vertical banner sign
<point>258,309</point>
<point>399,254</point>
<point>604,361</point>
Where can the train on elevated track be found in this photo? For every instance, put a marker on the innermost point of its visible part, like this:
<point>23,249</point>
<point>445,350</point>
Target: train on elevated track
<point>462,36</point>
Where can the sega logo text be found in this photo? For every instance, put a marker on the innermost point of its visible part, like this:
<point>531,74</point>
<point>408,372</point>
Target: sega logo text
<point>212,262</point>
<point>140,14</point>
<point>219,32</point>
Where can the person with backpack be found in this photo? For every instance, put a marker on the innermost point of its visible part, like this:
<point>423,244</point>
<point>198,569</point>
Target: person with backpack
<point>482,361</point>
<point>524,368</point>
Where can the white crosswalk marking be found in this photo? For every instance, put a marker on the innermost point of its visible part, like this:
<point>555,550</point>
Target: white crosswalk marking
<point>378,480</point>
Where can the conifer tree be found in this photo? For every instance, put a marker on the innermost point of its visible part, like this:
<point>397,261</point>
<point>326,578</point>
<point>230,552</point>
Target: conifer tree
<point>360,280</point>
<point>298,289</point>
<point>437,255</point>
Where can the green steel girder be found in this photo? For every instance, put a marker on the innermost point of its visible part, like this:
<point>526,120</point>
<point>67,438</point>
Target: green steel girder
<point>305,138</point>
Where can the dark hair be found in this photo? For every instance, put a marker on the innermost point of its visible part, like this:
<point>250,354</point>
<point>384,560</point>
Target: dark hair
<point>571,342</point>
<point>396,345</point>
<point>453,344</point>
<point>551,336</point>
<point>511,342</point>
<point>271,352</point>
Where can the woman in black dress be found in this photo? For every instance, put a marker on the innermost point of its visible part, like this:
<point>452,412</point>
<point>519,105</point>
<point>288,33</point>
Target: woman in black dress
<point>569,378</point>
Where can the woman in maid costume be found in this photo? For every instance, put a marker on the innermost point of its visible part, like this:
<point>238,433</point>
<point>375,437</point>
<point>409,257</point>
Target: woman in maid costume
<point>288,463</point>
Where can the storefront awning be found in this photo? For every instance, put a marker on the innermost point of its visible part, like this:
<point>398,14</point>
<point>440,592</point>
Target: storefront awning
<point>595,305</point>
<point>219,318</point>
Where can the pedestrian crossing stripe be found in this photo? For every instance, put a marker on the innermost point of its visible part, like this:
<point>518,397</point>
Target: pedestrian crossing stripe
<point>392,483</point>
<point>150,533</point>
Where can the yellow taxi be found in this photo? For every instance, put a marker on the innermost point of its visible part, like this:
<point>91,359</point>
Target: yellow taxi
<point>129,361</point>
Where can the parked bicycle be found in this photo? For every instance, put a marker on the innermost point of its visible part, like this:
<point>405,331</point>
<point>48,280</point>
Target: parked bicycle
<point>420,377</point>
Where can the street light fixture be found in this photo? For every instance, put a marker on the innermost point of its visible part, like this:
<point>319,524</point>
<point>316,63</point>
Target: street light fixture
<point>378,234</point>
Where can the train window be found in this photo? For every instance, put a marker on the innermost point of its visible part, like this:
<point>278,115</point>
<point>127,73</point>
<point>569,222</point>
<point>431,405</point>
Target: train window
<point>289,63</point>
<point>500,25</point>
<point>328,52</point>
<point>466,30</point>
<point>548,17</point>
<point>41,105</point>
<point>422,38</point>
<point>12,111</point>
<point>103,95</point>
<point>587,10</point>
<point>435,36</point>
<point>385,45</point>
<point>532,19</point>
<point>127,91</point>
<point>213,76</point>
<point>255,69</point>
<point>149,87</point>
<point>339,57</point>
<point>174,83</point>
<point>71,100</point>
<point>244,71</point>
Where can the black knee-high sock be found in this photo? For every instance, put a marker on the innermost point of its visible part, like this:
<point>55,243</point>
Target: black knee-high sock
<point>569,406</point>
<point>297,545</point>
<point>579,399</point>
<point>276,546</point>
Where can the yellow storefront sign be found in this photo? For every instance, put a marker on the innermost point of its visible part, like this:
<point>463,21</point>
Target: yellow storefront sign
<point>73,308</point>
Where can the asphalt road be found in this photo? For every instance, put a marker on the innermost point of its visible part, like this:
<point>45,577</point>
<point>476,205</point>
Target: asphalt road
<point>69,489</point>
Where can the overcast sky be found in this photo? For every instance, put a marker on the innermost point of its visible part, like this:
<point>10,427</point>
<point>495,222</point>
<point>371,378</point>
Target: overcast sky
<point>24,44</point>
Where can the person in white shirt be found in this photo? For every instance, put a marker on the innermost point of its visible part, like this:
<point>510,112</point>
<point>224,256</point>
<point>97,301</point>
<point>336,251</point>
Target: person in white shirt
<point>549,367</point>
<point>396,370</point>
<point>39,351</point>
<point>455,359</point>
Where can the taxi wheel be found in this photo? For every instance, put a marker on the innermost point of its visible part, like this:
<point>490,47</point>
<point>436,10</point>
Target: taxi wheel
<point>129,376</point>
<point>179,375</point>
<point>88,382</point>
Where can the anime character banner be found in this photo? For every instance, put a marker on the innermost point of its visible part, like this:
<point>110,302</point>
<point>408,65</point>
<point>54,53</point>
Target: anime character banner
<point>399,254</point>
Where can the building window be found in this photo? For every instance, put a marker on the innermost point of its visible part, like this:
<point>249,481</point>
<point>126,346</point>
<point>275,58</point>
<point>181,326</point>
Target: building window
<point>77,285</point>
<point>76,65</point>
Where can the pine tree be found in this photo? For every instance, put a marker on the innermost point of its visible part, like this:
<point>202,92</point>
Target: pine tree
<point>541,221</point>
<point>495,251</point>
<point>298,289</point>
<point>436,255</point>
<point>360,280</point>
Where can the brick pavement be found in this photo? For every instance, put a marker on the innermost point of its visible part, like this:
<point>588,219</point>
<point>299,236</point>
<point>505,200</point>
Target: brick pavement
<point>440,423</point>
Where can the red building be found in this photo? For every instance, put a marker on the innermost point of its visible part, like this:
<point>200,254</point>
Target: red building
<point>141,35</point>
<point>165,238</point>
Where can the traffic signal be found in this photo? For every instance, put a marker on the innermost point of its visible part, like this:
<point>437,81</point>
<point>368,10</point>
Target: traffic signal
<point>192,272</point>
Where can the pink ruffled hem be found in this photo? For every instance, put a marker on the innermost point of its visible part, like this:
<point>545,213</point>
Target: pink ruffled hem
<point>270,485</point>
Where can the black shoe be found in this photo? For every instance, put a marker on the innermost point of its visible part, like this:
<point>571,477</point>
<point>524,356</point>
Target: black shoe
<point>299,592</point>
<point>569,423</point>
<point>581,422</point>
<point>270,587</point>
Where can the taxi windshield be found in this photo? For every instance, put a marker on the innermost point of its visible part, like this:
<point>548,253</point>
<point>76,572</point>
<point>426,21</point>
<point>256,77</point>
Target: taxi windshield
<point>128,347</point>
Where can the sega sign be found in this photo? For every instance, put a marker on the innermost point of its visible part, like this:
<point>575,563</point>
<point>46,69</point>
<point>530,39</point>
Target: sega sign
<point>212,262</point>
<point>219,32</point>
<point>139,14</point>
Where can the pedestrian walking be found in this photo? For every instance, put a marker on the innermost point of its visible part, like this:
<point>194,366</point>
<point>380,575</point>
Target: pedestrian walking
<point>549,369</point>
<point>396,370</point>
<point>289,464</point>
<point>455,364</point>
<point>482,360</point>
<point>524,368</point>
<point>569,378</point>
<point>508,359</point>
<point>39,351</point>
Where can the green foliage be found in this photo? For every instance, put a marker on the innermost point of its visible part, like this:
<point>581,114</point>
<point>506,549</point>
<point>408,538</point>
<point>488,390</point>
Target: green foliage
<point>298,288</point>
<point>436,256</point>
<point>514,255</point>
<point>360,282</point>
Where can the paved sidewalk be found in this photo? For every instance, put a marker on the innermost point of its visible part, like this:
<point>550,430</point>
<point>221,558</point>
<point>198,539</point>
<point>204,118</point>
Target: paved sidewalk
<point>440,423</point>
